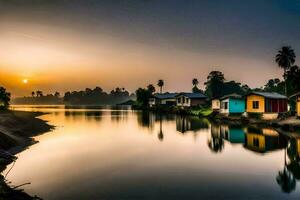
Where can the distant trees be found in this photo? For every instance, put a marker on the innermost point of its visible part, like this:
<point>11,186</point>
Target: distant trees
<point>39,93</point>
<point>285,59</point>
<point>38,97</point>
<point>4,98</point>
<point>96,96</point>
<point>57,94</point>
<point>160,84</point>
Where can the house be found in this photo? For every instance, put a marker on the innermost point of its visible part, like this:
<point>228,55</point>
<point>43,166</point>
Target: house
<point>269,104</point>
<point>232,104</point>
<point>297,95</point>
<point>215,105</point>
<point>264,140</point>
<point>190,99</point>
<point>167,99</point>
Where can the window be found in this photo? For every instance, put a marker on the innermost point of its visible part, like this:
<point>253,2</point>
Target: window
<point>225,105</point>
<point>255,104</point>
<point>187,100</point>
<point>183,100</point>
<point>179,100</point>
<point>255,142</point>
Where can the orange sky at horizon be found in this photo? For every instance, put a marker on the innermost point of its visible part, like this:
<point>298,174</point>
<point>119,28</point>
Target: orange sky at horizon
<point>54,58</point>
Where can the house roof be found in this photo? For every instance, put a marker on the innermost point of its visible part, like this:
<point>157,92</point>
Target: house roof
<point>166,95</point>
<point>193,95</point>
<point>270,95</point>
<point>294,95</point>
<point>233,96</point>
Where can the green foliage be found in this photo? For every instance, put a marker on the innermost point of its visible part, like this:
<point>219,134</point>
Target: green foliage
<point>214,83</point>
<point>142,97</point>
<point>255,115</point>
<point>151,88</point>
<point>195,89</point>
<point>4,98</point>
<point>216,86</point>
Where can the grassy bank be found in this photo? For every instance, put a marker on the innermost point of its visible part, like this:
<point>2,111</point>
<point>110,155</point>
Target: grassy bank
<point>16,131</point>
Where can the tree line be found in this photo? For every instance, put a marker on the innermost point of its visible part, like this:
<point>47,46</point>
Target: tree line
<point>216,86</point>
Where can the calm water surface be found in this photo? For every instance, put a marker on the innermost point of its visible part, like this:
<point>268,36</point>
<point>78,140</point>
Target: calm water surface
<point>123,154</point>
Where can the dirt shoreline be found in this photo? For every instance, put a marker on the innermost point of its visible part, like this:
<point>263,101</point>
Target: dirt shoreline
<point>16,131</point>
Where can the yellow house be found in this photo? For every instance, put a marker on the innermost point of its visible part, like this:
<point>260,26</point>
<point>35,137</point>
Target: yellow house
<point>269,104</point>
<point>297,95</point>
<point>298,104</point>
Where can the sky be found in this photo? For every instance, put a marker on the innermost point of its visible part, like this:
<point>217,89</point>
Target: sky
<point>62,45</point>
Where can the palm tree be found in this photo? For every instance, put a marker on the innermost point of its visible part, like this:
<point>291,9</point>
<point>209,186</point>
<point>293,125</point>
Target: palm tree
<point>285,58</point>
<point>195,82</point>
<point>195,89</point>
<point>160,84</point>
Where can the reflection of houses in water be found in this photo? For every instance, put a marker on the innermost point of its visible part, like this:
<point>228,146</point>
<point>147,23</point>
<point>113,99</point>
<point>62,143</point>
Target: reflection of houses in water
<point>184,124</point>
<point>264,140</point>
<point>233,134</point>
<point>146,119</point>
<point>215,142</point>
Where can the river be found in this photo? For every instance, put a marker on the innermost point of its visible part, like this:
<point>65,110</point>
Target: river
<point>118,153</point>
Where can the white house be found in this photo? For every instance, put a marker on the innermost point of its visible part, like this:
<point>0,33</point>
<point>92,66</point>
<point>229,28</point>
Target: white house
<point>215,105</point>
<point>167,99</point>
<point>190,99</point>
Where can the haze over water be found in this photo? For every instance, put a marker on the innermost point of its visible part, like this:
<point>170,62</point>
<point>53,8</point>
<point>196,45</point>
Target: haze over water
<point>117,154</point>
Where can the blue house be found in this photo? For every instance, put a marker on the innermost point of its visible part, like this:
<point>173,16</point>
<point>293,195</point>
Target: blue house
<point>232,104</point>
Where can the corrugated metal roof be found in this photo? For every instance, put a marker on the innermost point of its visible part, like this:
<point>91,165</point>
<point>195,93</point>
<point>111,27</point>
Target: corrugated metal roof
<point>270,95</point>
<point>294,95</point>
<point>166,95</point>
<point>234,96</point>
<point>193,95</point>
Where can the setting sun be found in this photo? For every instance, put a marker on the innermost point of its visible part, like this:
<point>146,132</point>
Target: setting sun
<point>25,81</point>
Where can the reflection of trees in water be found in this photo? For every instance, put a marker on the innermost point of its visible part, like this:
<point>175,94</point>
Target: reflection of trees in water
<point>215,142</point>
<point>145,120</point>
<point>118,115</point>
<point>89,115</point>
<point>160,133</point>
<point>286,178</point>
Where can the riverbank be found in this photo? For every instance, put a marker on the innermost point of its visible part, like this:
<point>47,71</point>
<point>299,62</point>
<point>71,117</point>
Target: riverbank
<point>16,131</point>
<point>288,123</point>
